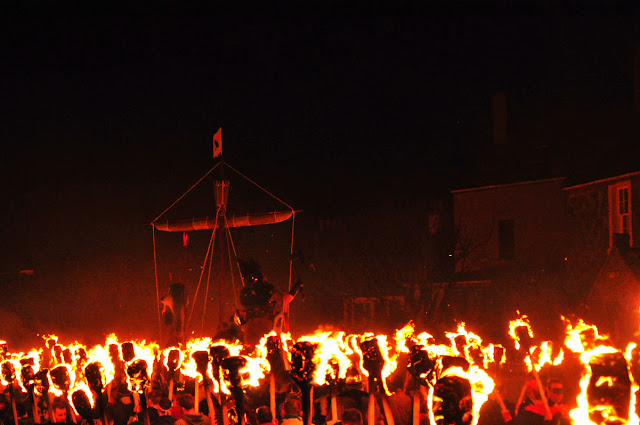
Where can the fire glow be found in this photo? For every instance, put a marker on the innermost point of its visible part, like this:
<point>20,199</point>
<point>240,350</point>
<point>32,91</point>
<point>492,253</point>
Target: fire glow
<point>334,354</point>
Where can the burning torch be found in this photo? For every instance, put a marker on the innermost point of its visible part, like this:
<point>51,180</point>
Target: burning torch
<point>421,367</point>
<point>81,403</point>
<point>202,364</point>
<point>173,363</point>
<point>9,375</point>
<point>93,374</point>
<point>62,381</point>
<point>218,354</point>
<point>331,377</point>
<point>81,362</point>
<point>231,367</point>
<point>4,350</point>
<point>29,382</point>
<point>302,369</point>
<point>42,383</point>
<point>373,363</point>
<point>525,340</point>
<point>274,353</point>
<point>139,378</point>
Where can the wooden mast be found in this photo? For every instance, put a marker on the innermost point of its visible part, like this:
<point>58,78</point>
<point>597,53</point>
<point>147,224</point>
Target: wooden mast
<point>221,191</point>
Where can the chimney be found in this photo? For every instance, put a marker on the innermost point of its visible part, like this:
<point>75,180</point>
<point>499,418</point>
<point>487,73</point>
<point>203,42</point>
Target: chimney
<point>499,117</point>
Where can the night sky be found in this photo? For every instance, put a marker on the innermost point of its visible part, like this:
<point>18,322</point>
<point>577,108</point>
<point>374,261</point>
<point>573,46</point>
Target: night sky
<point>106,121</point>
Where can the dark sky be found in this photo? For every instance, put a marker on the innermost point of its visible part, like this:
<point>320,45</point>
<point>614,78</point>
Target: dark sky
<point>106,121</point>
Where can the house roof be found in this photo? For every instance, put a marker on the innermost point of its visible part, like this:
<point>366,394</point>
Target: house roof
<point>608,179</point>
<point>502,186</point>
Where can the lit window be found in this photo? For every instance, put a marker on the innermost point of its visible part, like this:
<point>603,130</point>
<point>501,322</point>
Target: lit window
<point>620,211</point>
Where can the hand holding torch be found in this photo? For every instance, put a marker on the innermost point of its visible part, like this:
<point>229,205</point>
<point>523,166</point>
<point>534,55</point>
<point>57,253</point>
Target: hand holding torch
<point>332,378</point>
<point>81,403</point>
<point>421,367</point>
<point>231,367</point>
<point>62,381</point>
<point>302,369</point>
<point>29,382</point>
<point>373,363</point>
<point>173,363</point>
<point>218,354</point>
<point>274,352</point>
<point>93,374</point>
<point>9,375</point>
<point>139,377</point>
<point>42,383</point>
<point>202,364</point>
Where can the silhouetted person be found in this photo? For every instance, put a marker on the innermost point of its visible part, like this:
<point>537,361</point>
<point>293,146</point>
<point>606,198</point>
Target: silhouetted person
<point>189,414</point>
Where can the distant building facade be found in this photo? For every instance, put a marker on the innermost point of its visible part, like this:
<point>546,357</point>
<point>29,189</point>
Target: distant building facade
<point>547,248</point>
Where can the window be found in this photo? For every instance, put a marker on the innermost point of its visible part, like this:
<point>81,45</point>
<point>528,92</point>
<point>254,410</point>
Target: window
<point>620,210</point>
<point>506,240</point>
<point>623,209</point>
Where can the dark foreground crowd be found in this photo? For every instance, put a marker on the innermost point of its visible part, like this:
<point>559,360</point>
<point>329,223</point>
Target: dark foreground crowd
<point>120,406</point>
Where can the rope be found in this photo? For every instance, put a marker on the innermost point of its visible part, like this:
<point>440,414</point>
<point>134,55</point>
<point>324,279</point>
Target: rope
<point>293,223</point>
<point>261,188</point>
<point>204,263</point>
<point>155,268</point>
<point>206,294</point>
<point>184,194</point>
<point>283,203</point>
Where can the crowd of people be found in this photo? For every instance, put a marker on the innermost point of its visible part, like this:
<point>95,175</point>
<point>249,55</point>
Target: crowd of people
<point>159,406</point>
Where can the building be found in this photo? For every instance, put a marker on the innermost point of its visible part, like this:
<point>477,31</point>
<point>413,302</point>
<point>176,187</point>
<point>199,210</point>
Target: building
<point>548,249</point>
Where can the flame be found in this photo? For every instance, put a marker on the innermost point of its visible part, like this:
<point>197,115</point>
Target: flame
<point>581,413</point>
<point>473,349</point>
<point>402,336</point>
<point>481,386</point>
<point>522,321</point>
<point>338,352</point>
<point>635,387</point>
<point>581,336</point>
<point>332,353</point>
<point>188,365</point>
<point>254,371</point>
<point>542,355</point>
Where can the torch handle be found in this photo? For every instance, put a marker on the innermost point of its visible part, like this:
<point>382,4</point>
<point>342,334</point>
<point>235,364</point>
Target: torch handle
<point>136,402</point>
<point>171,389</point>
<point>416,408</point>
<point>387,410</point>
<point>272,394</point>
<point>52,418</point>
<point>197,396</point>
<point>500,401</point>
<point>13,403</point>
<point>311,407</point>
<point>543,394</point>
<point>371,412</point>
<point>334,408</point>
<point>521,398</point>
<point>101,409</point>
<point>225,409</point>
<point>212,411</point>
<point>108,390</point>
<point>70,408</point>
<point>34,405</point>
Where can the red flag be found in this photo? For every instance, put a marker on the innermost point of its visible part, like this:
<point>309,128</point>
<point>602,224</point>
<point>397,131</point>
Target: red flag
<point>217,143</point>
